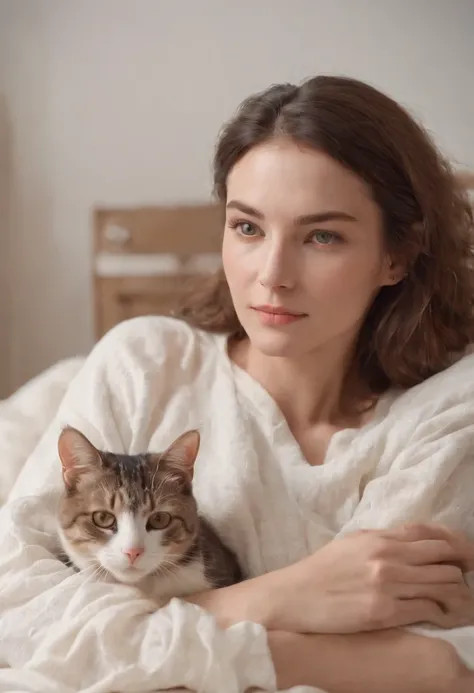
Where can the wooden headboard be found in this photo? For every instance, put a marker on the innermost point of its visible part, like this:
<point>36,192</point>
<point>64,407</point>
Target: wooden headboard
<point>142,257</point>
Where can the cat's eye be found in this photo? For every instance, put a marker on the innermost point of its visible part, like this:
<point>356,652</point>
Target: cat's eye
<point>103,519</point>
<point>158,521</point>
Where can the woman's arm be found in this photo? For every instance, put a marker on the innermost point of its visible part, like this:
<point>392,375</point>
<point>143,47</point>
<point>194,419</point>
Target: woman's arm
<point>344,589</point>
<point>390,661</point>
<point>371,580</point>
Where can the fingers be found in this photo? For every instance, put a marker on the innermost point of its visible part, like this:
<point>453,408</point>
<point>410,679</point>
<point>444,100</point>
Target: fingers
<point>410,611</point>
<point>429,551</point>
<point>384,573</point>
<point>462,546</point>
<point>441,594</point>
<point>410,532</point>
<point>394,613</point>
<point>418,552</point>
<point>450,610</point>
<point>418,532</point>
<point>443,606</point>
<point>428,575</point>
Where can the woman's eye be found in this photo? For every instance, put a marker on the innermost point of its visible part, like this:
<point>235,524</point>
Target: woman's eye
<point>158,521</point>
<point>247,229</point>
<point>103,519</point>
<point>325,237</point>
<point>244,228</point>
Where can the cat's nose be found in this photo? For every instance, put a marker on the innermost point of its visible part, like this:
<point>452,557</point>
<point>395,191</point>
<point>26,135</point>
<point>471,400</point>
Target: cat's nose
<point>133,553</point>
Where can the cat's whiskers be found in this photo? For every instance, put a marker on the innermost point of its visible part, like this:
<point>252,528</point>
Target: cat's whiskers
<point>163,571</point>
<point>102,572</point>
<point>90,562</point>
<point>166,567</point>
<point>94,570</point>
<point>97,573</point>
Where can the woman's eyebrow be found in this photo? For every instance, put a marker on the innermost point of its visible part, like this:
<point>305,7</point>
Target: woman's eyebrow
<point>330,215</point>
<point>304,220</point>
<point>246,209</point>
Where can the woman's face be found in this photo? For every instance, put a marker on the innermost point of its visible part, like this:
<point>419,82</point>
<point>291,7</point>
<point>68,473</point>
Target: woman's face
<point>303,249</point>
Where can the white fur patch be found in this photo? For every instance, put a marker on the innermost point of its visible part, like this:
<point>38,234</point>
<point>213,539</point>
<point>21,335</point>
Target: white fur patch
<point>132,534</point>
<point>189,579</point>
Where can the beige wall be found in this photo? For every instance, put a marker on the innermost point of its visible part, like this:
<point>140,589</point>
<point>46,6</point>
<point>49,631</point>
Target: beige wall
<point>5,180</point>
<point>4,265</point>
<point>119,102</point>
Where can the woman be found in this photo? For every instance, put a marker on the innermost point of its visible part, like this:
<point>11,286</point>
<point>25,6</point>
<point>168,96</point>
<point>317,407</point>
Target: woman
<point>325,370</point>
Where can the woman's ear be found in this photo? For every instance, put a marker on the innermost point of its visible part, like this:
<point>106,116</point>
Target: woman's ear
<point>395,271</point>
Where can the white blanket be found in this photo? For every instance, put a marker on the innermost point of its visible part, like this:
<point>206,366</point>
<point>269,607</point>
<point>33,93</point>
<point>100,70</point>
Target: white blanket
<point>25,416</point>
<point>58,630</point>
<point>44,667</point>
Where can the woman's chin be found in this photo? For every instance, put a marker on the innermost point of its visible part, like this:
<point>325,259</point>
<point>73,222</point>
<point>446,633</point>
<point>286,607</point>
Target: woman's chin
<point>275,344</point>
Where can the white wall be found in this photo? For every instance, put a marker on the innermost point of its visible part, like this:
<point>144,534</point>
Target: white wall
<point>119,102</point>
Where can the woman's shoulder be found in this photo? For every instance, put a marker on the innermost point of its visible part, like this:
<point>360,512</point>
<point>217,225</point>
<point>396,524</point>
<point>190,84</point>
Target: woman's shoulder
<point>449,390</point>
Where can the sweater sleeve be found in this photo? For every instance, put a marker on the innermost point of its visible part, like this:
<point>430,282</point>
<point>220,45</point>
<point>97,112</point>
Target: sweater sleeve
<point>430,479</point>
<point>63,632</point>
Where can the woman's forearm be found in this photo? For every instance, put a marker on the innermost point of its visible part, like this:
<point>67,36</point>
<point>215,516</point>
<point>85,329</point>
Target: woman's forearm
<point>246,601</point>
<point>389,661</point>
<point>384,660</point>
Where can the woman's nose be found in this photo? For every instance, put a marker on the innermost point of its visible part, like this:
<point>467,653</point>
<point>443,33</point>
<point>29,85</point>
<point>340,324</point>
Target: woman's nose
<point>278,267</point>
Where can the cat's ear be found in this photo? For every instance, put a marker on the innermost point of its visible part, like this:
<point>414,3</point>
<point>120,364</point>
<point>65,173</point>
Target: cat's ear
<point>181,455</point>
<point>77,455</point>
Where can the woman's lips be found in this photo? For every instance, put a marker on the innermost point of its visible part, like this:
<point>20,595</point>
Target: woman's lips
<point>276,316</point>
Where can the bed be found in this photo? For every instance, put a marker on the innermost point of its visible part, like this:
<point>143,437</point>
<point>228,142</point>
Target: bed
<point>143,257</point>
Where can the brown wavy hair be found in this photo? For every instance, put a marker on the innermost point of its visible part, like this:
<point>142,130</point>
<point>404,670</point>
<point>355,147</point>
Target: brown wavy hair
<point>416,328</point>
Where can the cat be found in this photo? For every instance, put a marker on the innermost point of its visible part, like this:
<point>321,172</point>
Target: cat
<point>133,519</point>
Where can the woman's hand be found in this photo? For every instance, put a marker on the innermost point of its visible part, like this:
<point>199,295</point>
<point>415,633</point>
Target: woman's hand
<point>458,541</point>
<point>375,580</point>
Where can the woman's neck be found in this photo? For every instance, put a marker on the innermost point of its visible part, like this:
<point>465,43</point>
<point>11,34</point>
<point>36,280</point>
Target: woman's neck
<point>309,389</point>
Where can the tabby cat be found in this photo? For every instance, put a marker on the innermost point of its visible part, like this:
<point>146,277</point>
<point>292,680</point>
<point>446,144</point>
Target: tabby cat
<point>134,519</point>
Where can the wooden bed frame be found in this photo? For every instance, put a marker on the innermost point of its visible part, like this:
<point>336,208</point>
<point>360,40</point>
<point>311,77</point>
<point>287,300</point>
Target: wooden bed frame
<point>143,255</point>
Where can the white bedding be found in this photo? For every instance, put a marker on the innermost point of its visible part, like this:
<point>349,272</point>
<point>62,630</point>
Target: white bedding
<point>51,620</point>
<point>24,417</point>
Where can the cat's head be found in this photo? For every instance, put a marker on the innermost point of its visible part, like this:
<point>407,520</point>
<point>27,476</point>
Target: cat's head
<point>127,515</point>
